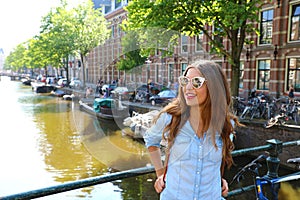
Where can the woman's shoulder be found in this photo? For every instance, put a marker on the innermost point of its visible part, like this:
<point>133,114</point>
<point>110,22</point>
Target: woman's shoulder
<point>164,117</point>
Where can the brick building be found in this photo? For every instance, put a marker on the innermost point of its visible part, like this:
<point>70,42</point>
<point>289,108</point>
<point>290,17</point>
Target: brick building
<point>2,58</point>
<point>270,65</point>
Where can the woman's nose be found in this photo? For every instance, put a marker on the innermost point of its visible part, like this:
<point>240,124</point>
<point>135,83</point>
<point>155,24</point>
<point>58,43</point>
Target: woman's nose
<point>189,85</point>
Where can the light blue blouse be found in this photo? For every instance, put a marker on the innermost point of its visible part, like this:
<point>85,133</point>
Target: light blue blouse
<point>193,166</point>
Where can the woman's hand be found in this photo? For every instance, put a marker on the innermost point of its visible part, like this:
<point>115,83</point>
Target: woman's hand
<point>159,184</point>
<point>224,188</point>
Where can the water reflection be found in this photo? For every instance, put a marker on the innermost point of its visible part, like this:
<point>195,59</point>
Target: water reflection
<point>45,141</point>
<point>103,139</point>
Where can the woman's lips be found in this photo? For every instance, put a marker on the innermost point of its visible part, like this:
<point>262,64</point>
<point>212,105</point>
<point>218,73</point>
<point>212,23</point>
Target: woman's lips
<point>190,95</point>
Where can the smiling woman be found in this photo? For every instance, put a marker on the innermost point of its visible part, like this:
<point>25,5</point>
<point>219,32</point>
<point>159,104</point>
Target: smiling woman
<point>197,126</point>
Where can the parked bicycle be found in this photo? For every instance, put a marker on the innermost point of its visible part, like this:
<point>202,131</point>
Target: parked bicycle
<point>287,112</point>
<point>262,181</point>
<point>256,107</point>
<point>239,105</point>
<point>273,107</point>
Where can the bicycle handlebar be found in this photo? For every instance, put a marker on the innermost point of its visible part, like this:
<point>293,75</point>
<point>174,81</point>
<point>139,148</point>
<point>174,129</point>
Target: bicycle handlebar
<point>249,167</point>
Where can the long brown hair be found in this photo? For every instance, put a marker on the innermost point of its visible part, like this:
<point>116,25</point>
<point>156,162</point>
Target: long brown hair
<point>215,114</point>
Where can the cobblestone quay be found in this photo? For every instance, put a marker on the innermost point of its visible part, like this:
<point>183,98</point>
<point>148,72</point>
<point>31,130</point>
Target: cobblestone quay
<point>254,134</point>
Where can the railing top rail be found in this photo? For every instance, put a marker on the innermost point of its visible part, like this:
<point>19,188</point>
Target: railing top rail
<point>124,174</point>
<point>80,184</point>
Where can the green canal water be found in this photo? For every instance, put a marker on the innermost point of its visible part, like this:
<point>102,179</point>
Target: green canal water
<point>46,141</point>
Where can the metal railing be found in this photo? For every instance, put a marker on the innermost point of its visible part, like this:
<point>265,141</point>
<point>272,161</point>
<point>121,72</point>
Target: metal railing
<point>273,146</point>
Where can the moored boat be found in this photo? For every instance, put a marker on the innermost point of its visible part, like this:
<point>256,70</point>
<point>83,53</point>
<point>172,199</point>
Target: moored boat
<point>138,124</point>
<point>105,108</point>
<point>40,87</point>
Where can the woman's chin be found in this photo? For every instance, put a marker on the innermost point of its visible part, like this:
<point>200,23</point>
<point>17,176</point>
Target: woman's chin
<point>192,103</point>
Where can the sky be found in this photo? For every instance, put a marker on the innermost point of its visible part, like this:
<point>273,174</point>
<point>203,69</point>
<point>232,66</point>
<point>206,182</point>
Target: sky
<point>20,20</point>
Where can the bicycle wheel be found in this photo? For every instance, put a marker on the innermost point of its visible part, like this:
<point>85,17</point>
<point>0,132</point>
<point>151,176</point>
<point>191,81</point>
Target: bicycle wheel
<point>245,112</point>
<point>296,117</point>
<point>271,122</point>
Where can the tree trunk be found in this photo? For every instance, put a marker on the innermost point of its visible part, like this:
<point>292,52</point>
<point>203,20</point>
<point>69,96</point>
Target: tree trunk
<point>235,77</point>
<point>83,70</point>
<point>67,71</point>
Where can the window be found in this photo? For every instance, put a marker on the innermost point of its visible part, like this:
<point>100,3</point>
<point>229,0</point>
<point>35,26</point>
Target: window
<point>295,21</point>
<point>113,31</point>
<point>107,9</point>
<point>119,30</point>
<point>171,73</point>
<point>263,74</point>
<point>183,67</point>
<point>293,73</point>
<point>199,42</point>
<point>241,75</point>
<point>184,44</point>
<point>118,3</point>
<point>266,27</point>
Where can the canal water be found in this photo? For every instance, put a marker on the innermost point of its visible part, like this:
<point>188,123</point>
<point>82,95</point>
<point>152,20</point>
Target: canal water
<point>46,141</point>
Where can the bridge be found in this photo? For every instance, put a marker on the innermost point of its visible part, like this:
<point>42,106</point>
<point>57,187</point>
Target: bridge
<point>13,76</point>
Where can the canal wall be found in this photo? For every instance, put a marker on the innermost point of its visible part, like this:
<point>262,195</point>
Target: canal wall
<point>254,134</point>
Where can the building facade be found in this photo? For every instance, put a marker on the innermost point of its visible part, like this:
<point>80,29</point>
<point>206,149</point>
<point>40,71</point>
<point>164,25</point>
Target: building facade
<point>270,65</point>
<point>2,58</point>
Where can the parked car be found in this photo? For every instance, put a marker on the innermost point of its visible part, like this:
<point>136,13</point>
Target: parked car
<point>107,88</point>
<point>75,84</point>
<point>163,97</point>
<point>121,91</point>
<point>142,88</point>
<point>141,93</point>
<point>62,82</point>
<point>50,80</point>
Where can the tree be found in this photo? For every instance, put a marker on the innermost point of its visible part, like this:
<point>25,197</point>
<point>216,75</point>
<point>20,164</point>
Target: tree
<point>77,30</point>
<point>229,19</point>
<point>57,36</point>
<point>38,54</point>
<point>90,28</point>
<point>15,60</point>
<point>131,52</point>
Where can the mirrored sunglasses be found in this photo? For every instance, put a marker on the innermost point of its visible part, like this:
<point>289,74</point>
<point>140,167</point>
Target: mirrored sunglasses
<point>197,82</point>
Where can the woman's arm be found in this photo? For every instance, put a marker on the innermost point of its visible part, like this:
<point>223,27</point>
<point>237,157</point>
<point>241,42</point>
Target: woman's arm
<point>155,156</point>
<point>224,188</point>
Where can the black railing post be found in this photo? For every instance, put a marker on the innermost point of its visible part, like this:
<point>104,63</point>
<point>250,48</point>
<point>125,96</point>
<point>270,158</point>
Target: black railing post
<point>273,161</point>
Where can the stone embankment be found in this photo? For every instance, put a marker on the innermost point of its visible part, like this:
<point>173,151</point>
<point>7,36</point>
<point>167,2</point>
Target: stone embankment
<point>254,134</point>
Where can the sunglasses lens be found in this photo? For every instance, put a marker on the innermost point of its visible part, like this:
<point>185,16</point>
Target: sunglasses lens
<point>197,82</point>
<point>183,81</point>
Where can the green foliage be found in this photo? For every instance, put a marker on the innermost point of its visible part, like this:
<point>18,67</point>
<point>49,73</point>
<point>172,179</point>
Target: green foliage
<point>64,32</point>
<point>132,53</point>
<point>15,60</point>
<point>57,34</point>
<point>230,19</point>
<point>90,27</point>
